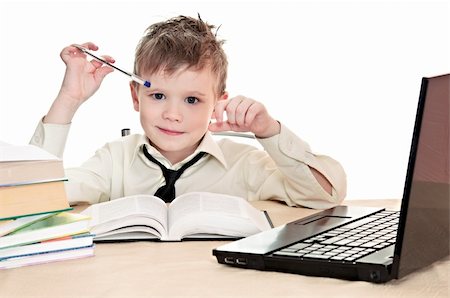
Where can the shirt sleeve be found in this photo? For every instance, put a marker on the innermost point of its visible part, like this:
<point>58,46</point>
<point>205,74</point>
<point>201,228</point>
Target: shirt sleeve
<point>88,183</point>
<point>51,137</point>
<point>293,158</point>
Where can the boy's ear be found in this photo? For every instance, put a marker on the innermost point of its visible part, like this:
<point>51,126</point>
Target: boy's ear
<point>133,90</point>
<point>224,96</point>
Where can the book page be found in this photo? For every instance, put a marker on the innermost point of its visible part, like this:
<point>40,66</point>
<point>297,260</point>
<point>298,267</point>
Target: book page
<point>128,224</point>
<point>24,152</point>
<point>130,233</point>
<point>129,211</point>
<point>219,214</point>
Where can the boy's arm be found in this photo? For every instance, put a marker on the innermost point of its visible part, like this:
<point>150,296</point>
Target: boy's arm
<point>300,171</point>
<point>326,185</point>
<point>81,80</point>
<point>245,114</point>
<point>88,183</point>
<point>51,137</point>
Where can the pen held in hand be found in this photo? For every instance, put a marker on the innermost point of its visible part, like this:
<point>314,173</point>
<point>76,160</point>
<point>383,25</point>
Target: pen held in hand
<point>131,75</point>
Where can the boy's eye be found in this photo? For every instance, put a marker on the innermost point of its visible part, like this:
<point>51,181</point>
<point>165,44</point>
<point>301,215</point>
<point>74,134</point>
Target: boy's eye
<point>191,99</point>
<point>158,96</point>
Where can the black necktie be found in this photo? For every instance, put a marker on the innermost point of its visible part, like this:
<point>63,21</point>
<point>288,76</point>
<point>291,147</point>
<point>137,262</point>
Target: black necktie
<point>167,191</point>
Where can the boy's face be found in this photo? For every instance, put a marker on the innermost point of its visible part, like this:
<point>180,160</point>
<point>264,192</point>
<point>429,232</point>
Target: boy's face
<point>175,111</point>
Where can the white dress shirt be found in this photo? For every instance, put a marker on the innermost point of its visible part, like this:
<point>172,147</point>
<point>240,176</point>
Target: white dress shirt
<point>279,172</point>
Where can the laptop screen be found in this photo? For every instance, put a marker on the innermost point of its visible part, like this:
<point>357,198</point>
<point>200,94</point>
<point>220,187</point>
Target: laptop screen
<point>424,223</point>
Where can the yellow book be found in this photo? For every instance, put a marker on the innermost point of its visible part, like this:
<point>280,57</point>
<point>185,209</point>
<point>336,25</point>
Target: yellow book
<point>16,201</point>
<point>31,181</point>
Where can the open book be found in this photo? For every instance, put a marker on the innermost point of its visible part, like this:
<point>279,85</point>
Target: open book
<point>200,215</point>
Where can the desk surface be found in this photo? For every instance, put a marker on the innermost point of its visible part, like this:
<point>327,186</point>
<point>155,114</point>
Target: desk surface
<point>182,269</point>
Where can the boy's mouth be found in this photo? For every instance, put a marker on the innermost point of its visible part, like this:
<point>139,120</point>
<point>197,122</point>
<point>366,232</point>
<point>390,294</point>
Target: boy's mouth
<point>170,132</point>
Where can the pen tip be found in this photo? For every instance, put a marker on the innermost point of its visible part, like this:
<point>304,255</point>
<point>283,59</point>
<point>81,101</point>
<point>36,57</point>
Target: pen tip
<point>147,84</point>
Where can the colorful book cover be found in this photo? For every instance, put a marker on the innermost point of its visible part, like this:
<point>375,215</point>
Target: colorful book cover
<point>58,225</point>
<point>62,255</point>
<point>47,246</point>
<point>28,216</point>
<point>59,219</point>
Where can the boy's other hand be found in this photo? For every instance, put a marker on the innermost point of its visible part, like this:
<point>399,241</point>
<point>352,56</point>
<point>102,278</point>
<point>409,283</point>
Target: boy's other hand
<point>244,115</point>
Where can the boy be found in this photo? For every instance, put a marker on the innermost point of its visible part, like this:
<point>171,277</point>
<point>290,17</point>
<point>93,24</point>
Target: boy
<point>187,68</point>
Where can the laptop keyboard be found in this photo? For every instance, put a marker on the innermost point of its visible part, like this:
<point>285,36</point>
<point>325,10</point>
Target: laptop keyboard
<point>348,242</point>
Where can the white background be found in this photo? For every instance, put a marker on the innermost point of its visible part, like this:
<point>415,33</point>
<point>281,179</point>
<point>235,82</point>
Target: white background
<point>344,75</point>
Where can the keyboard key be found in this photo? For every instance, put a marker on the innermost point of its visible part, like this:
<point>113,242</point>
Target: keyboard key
<point>332,240</point>
<point>299,246</point>
<point>343,242</point>
<point>314,256</point>
<point>359,222</point>
<point>337,258</point>
<point>369,244</point>
<point>286,253</point>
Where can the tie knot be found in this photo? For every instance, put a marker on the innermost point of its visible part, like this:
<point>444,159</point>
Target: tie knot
<point>167,191</point>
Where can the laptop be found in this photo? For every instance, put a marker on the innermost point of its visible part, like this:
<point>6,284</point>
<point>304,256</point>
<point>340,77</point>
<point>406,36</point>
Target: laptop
<point>370,244</point>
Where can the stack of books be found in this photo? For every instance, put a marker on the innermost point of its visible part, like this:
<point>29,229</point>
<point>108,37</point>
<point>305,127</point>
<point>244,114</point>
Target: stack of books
<point>35,223</point>
<point>31,181</point>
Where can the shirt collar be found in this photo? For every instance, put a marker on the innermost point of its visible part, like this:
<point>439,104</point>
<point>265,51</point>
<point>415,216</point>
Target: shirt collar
<point>208,145</point>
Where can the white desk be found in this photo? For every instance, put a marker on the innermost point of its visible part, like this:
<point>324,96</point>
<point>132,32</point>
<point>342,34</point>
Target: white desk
<point>182,269</point>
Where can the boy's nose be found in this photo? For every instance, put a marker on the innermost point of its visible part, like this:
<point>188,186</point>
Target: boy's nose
<point>172,112</point>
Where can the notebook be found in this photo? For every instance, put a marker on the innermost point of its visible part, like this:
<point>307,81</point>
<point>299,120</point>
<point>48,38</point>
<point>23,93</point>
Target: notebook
<point>370,244</point>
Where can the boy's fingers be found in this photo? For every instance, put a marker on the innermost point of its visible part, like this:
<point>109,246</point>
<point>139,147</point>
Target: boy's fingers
<point>219,109</point>
<point>231,108</point>
<point>103,72</point>
<point>98,64</point>
<point>252,111</point>
<point>90,46</point>
<point>70,51</point>
<point>73,51</point>
<point>242,110</point>
<point>219,126</point>
<point>108,59</point>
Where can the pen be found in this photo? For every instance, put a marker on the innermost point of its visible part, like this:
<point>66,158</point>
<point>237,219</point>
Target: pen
<point>131,75</point>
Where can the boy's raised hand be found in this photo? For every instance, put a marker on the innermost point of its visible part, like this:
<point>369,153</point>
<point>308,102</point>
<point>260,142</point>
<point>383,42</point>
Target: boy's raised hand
<point>244,115</point>
<point>81,80</point>
<point>82,77</point>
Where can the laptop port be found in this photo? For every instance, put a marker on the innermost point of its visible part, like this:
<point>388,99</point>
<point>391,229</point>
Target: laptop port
<point>241,261</point>
<point>229,260</point>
